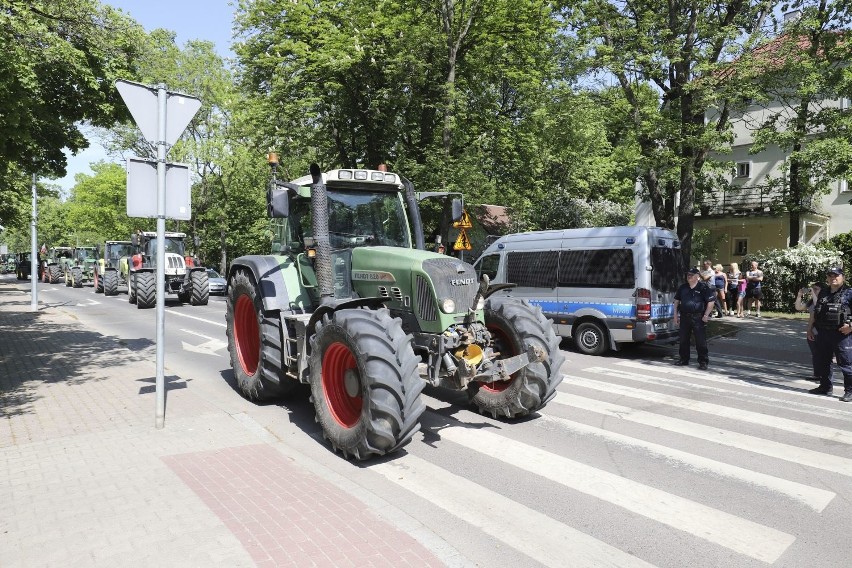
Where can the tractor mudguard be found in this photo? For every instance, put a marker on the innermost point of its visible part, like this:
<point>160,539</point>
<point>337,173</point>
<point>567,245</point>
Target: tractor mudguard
<point>348,304</point>
<point>267,273</point>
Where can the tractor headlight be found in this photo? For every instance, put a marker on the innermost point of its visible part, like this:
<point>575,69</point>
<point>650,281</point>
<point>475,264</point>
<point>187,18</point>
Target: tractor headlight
<point>480,304</point>
<point>448,306</point>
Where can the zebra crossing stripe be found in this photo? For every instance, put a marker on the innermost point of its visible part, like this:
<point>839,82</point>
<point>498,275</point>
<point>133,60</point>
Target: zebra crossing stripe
<point>718,527</point>
<point>785,424</point>
<point>534,534</point>
<point>816,499</point>
<point>678,383</point>
<point>771,448</point>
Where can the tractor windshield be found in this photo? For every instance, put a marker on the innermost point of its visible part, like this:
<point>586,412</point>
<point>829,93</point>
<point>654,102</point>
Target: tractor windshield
<point>355,218</point>
<point>172,245</point>
<point>85,254</point>
<point>116,251</point>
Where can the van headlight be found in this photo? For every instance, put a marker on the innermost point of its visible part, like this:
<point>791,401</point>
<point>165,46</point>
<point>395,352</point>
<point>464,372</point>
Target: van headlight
<point>448,306</point>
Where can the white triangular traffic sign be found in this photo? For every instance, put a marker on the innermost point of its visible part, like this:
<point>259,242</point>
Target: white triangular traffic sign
<point>141,100</point>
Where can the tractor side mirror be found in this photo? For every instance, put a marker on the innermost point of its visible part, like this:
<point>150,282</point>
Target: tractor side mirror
<point>97,251</point>
<point>134,240</point>
<point>457,209</point>
<point>277,203</point>
<point>196,240</point>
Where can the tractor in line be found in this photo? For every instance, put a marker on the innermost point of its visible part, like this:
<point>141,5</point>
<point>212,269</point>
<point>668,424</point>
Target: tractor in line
<point>350,303</point>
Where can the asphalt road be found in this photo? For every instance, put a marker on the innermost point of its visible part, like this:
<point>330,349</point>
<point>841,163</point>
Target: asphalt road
<point>634,463</point>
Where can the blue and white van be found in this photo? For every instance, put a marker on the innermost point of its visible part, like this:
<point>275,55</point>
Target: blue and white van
<point>605,287</point>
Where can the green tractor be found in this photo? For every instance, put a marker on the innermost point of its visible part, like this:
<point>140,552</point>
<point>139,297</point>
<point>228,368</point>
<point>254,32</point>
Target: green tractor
<point>59,260</point>
<point>185,277</point>
<point>111,271</point>
<point>23,266</point>
<point>82,268</point>
<point>350,303</point>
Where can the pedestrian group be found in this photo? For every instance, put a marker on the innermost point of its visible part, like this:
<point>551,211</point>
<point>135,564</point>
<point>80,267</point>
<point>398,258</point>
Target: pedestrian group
<point>732,293</point>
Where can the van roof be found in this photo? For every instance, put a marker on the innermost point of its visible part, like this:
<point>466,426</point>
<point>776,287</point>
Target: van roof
<point>585,233</point>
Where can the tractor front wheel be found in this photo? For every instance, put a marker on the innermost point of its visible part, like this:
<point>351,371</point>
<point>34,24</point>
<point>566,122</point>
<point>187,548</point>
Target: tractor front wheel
<point>200,288</point>
<point>254,343</point>
<point>109,283</point>
<point>515,325</point>
<point>146,290</point>
<point>364,382</point>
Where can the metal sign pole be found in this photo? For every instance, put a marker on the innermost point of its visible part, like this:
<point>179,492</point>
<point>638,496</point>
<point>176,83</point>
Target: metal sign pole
<point>34,260</point>
<point>161,254</point>
<point>149,106</point>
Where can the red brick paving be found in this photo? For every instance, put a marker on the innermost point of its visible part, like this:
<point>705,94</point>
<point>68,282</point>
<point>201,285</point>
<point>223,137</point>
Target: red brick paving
<point>285,516</point>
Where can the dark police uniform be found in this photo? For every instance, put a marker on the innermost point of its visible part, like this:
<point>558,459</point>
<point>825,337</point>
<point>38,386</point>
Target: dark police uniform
<point>693,305</point>
<point>832,311</point>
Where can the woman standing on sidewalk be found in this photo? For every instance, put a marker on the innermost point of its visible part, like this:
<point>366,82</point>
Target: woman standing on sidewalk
<point>720,280</point>
<point>733,295</point>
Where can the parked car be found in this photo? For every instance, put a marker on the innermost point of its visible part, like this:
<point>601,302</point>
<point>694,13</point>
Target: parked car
<point>217,283</point>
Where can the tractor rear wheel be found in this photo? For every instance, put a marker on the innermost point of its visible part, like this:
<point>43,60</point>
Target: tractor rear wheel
<point>109,283</point>
<point>515,325</point>
<point>364,382</point>
<point>77,277</point>
<point>54,274</point>
<point>200,287</point>
<point>146,290</point>
<point>254,343</point>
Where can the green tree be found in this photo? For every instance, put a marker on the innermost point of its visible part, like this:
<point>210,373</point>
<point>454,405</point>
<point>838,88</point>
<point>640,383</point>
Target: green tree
<point>448,92</point>
<point>58,61</point>
<point>97,206</point>
<point>797,81</point>
<point>676,49</point>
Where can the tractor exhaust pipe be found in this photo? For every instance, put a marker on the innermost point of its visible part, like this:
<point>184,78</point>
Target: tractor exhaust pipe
<point>414,213</point>
<point>322,263</point>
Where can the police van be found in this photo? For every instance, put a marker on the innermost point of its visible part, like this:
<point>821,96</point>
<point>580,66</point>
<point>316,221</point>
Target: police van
<point>604,287</point>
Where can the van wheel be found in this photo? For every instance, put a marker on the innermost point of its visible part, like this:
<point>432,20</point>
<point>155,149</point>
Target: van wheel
<point>590,339</point>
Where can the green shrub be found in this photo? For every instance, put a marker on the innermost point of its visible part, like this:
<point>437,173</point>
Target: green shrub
<point>787,270</point>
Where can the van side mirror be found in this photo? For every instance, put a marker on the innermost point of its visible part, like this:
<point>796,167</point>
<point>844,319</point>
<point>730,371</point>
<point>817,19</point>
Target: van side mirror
<point>457,209</point>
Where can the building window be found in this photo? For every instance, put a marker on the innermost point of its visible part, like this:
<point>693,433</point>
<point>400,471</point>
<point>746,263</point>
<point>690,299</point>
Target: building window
<point>845,186</point>
<point>743,169</point>
<point>740,247</point>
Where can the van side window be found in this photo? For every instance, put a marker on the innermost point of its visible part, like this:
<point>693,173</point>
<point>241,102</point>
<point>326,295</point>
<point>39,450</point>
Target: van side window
<point>603,268</point>
<point>535,269</point>
<point>667,269</point>
<point>488,265</point>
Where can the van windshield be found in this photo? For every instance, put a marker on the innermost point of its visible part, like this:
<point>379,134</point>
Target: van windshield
<point>667,269</point>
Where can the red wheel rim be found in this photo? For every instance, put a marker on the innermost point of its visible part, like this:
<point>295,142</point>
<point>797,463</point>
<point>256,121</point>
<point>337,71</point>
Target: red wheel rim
<point>504,347</point>
<point>246,335</point>
<point>345,409</point>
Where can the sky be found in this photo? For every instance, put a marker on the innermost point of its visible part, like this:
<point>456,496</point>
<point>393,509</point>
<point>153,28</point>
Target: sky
<point>190,19</point>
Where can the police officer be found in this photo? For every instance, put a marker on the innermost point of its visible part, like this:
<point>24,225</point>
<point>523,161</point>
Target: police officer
<point>693,304</point>
<point>831,317</point>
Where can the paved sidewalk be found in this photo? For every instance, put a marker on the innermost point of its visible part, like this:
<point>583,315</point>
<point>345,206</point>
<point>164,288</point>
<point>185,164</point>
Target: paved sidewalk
<point>86,480</point>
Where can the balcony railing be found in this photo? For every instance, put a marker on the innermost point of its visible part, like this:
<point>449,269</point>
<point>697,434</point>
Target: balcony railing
<point>746,201</point>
